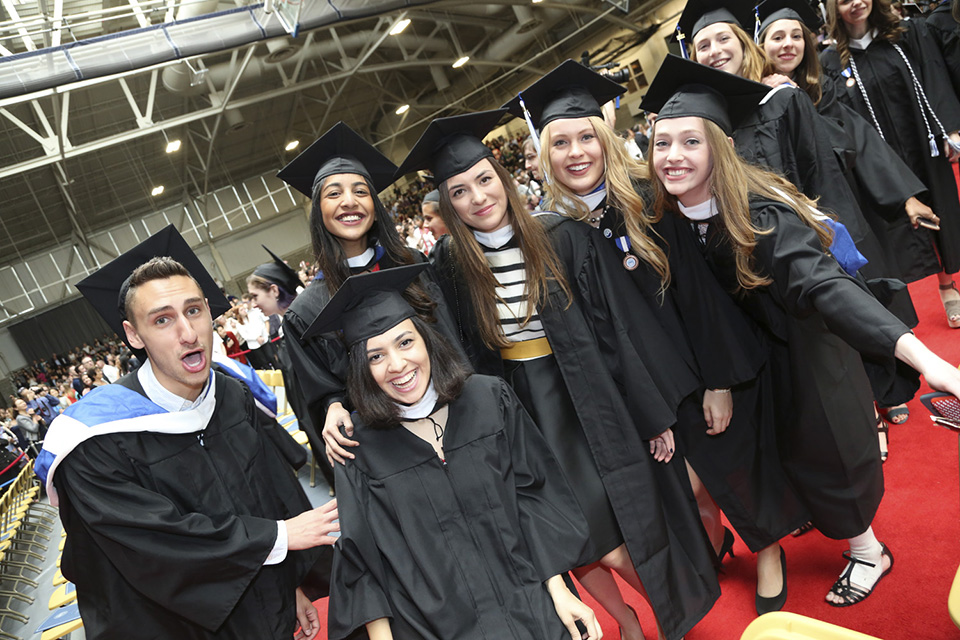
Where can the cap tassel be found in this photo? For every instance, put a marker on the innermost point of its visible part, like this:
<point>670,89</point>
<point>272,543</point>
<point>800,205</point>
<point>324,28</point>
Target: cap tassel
<point>681,39</point>
<point>756,25</point>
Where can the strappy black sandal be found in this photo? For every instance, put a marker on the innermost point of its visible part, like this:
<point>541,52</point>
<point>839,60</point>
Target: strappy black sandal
<point>851,593</point>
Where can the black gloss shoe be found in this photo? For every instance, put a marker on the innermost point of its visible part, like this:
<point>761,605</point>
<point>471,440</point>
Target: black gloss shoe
<point>727,546</point>
<point>768,605</point>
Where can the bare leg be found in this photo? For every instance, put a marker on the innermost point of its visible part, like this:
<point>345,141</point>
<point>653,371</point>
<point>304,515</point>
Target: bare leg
<point>709,511</point>
<point>601,585</point>
<point>619,560</point>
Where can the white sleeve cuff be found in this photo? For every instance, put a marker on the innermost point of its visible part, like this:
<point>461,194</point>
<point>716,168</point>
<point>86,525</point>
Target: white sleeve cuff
<point>279,552</point>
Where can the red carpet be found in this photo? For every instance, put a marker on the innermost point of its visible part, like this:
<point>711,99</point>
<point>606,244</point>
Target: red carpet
<point>917,520</point>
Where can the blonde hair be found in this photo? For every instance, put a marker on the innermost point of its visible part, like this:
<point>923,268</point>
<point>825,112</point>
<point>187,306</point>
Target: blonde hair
<point>882,18</point>
<point>541,263</point>
<point>755,64</point>
<point>732,181</point>
<point>620,172</point>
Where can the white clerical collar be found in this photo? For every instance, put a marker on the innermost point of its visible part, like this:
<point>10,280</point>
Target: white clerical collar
<point>363,259</point>
<point>494,239</point>
<point>422,407</point>
<point>702,211</point>
<point>592,200</point>
<point>864,42</point>
<point>162,397</point>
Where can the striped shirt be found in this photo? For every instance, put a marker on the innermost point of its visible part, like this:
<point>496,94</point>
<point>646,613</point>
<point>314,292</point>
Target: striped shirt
<point>506,263</point>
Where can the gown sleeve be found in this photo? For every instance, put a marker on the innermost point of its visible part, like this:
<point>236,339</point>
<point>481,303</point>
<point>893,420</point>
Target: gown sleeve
<point>357,595</point>
<point>550,517</point>
<point>727,350</point>
<point>189,563</point>
<point>630,341</point>
<point>320,363</point>
<point>936,79</point>
<point>807,280</point>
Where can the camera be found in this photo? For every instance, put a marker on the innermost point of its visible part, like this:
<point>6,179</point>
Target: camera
<point>621,76</point>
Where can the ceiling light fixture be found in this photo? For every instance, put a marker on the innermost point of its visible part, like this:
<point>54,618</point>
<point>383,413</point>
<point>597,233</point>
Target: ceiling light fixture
<point>402,109</point>
<point>173,145</point>
<point>293,144</point>
<point>460,62</point>
<point>157,190</point>
<point>400,26</point>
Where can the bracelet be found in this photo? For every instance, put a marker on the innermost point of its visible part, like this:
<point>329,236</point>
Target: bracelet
<point>720,390</point>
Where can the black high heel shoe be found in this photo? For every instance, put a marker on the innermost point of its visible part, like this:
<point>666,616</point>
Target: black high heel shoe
<point>768,605</point>
<point>727,546</point>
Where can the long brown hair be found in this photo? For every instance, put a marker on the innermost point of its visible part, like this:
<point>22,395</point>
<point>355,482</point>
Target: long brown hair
<point>882,18</point>
<point>807,73</point>
<point>332,259</point>
<point>755,64</point>
<point>540,261</point>
<point>620,172</point>
<point>732,182</point>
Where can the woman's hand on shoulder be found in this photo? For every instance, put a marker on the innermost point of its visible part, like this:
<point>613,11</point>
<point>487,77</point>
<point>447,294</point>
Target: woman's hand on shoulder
<point>777,79</point>
<point>336,441</point>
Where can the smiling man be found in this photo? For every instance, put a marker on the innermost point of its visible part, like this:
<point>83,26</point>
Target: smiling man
<point>183,518</point>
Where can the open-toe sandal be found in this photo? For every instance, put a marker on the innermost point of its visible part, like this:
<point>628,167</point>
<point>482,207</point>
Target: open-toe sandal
<point>896,415</point>
<point>851,593</point>
<point>883,431</point>
<point>951,307</point>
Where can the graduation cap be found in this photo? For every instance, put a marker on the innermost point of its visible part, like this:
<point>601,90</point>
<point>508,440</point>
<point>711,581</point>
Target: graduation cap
<point>569,91</point>
<point>339,150</point>
<point>433,196</point>
<point>703,13</point>
<point>106,289</point>
<point>279,273</point>
<point>452,145</point>
<point>770,11</point>
<point>684,88</point>
<point>368,304</point>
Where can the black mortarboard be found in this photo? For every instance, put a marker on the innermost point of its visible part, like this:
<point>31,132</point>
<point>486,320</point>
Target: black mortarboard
<point>451,145</point>
<point>770,11</point>
<point>368,304</point>
<point>433,196</point>
<point>698,14</point>
<point>684,88</point>
<point>279,273</point>
<point>339,150</point>
<point>569,91</point>
<point>911,10</point>
<point>106,289</point>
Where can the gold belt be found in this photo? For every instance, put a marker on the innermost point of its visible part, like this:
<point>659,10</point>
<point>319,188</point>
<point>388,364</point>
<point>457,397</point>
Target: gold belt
<point>526,350</point>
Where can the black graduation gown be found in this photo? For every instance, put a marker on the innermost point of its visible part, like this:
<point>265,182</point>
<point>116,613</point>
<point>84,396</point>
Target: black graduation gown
<point>166,535</point>
<point>814,316</point>
<point>786,134</point>
<point>882,183</point>
<point>890,87</point>
<point>319,365</point>
<point>946,33</point>
<point>459,548</point>
<point>293,390</point>
<point>625,381</point>
<point>740,468</point>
